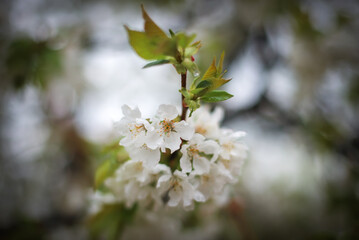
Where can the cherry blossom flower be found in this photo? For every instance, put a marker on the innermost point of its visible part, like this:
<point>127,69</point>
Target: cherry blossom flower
<point>132,127</point>
<point>194,152</point>
<point>179,190</point>
<point>169,132</point>
<point>206,122</point>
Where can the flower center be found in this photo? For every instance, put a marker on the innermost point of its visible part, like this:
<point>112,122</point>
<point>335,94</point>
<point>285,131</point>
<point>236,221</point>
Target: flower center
<point>228,146</point>
<point>201,130</point>
<point>167,126</point>
<point>192,150</point>
<point>135,129</point>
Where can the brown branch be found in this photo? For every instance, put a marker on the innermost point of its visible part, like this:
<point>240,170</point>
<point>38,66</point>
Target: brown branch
<point>184,105</point>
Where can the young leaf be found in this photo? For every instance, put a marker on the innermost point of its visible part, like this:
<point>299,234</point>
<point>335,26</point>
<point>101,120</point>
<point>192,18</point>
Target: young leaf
<point>211,71</point>
<point>151,28</point>
<point>216,96</point>
<point>156,63</point>
<point>114,158</point>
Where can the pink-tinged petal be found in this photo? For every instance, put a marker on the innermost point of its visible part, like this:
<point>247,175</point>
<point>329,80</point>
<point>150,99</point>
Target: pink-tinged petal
<point>166,111</point>
<point>172,141</point>
<point>175,197</point>
<point>185,163</point>
<point>131,113</point>
<point>201,165</point>
<point>184,130</point>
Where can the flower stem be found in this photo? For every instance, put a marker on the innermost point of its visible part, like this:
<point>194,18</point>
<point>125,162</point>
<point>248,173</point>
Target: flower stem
<point>184,106</point>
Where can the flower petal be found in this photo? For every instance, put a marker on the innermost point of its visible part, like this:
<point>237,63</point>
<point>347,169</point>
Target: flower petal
<point>167,111</point>
<point>151,158</point>
<point>201,165</point>
<point>131,113</point>
<point>172,141</point>
<point>175,197</point>
<point>184,130</point>
<point>185,163</point>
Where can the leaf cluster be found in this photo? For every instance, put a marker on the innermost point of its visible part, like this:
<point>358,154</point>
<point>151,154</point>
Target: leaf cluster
<point>154,44</point>
<point>113,156</point>
<point>205,88</point>
<point>110,222</point>
<point>31,62</point>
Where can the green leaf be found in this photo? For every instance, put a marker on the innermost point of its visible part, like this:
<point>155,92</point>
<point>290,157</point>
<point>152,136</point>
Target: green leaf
<point>211,71</point>
<point>184,40</point>
<point>216,96</point>
<point>151,28</point>
<point>114,158</point>
<point>156,63</point>
<point>150,48</point>
<point>111,221</point>
<point>204,84</point>
<point>213,77</point>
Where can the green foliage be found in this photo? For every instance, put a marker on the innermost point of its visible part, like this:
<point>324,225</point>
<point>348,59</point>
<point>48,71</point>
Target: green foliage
<point>110,222</point>
<point>114,156</point>
<point>154,44</point>
<point>30,62</point>
<point>205,88</point>
<point>216,96</point>
<point>156,63</point>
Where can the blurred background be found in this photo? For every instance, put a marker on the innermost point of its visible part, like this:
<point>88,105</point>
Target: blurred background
<point>66,68</point>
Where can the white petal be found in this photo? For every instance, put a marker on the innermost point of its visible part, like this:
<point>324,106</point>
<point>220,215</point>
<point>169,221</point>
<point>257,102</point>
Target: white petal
<point>180,175</point>
<point>173,141</point>
<point>161,168</point>
<point>185,163</point>
<point>199,197</point>
<point>188,193</point>
<point>175,197</point>
<point>126,141</point>
<point>163,179</point>
<point>239,134</point>
<point>218,114</point>
<point>131,113</point>
<point>184,130</point>
<point>201,165</point>
<point>152,158</point>
<point>153,140</point>
<point>167,111</point>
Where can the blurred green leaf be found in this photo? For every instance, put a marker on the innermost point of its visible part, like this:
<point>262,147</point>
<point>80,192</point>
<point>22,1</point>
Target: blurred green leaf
<point>151,28</point>
<point>31,62</point>
<point>114,157</point>
<point>110,222</point>
<point>216,96</point>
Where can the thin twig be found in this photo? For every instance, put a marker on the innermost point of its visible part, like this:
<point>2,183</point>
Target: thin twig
<point>184,106</point>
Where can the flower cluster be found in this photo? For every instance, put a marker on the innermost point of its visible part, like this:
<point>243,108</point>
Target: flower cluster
<point>175,162</point>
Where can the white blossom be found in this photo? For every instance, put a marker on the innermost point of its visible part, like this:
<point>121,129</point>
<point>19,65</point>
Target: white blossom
<point>206,122</point>
<point>180,190</point>
<point>193,153</point>
<point>132,127</point>
<point>168,132</point>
